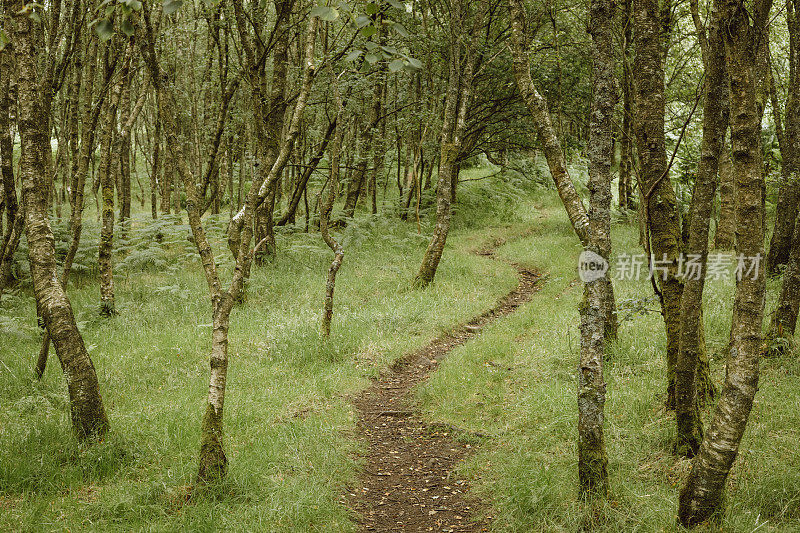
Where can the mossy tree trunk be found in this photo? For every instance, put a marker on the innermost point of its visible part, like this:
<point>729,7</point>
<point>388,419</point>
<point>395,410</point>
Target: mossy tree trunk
<point>212,460</point>
<point>692,342</point>
<point>106,179</point>
<point>14,216</point>
<point>592,458</point>
<point>662,225</point>
<point>87,411</point>
<point>459,96</point>
<point>551,146</point>
<point>701,498</point>
<point>325,208</point>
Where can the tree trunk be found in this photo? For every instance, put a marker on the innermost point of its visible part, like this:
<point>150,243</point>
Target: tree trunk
<point>592,458</point>
<point>15,217</point>
<point>724,237</point>
<point>702,496</point>
<point>789,194</point>
<point>537,106</point>
<point>660,206</point>
<point>459,95</point>
<point>107,174</point>
<point>324,217</point>
<point>687,406</point>
<point>626,137</point>
<point>80,174</point>
<point>88,414</point>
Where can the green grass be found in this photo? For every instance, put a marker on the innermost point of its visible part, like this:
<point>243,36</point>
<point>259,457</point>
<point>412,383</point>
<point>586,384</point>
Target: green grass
<point>525,400</point>
<point>289,426</point>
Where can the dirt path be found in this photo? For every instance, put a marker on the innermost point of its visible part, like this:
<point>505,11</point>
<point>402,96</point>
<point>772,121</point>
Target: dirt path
<point>408,483</point>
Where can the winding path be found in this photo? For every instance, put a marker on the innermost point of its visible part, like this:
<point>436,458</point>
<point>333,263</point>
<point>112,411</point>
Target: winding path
<point>408,481</point>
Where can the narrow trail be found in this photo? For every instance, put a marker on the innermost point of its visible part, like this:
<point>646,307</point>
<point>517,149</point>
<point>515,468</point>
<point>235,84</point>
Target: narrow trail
<point>408,482</point>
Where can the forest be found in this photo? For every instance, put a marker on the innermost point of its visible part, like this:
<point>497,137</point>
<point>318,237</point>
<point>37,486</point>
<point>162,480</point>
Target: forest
<point>399,265</point>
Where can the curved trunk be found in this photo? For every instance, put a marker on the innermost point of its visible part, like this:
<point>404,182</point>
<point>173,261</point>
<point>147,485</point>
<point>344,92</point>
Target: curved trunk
<point>88,414</point>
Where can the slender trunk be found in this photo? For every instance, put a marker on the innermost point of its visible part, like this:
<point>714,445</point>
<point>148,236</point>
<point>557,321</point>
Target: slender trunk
<point>324,218</point>
<point>687,406</point>
<point>626,137</point>
<point>107,174</point>
<point>88,414</point>
<point>124,153</point>
<point>724,237</point>
<point>80,174</point>
<point>784,319</point>
<point>592,458</point>
<point>789,194</point>
<point>155,177</point>
<point>660,205</point>
<point>15,217</point>
<point>303,182</point>
<point>701,498</point>
<point>537,106</point>
<point>459,95</point>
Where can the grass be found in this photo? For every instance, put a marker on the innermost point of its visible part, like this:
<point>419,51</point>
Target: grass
<point>516,383</point>
<point>289,426</point>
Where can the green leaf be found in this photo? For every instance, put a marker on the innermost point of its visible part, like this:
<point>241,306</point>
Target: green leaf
<point>135,5</point>
<point>371,9</point>
<point>371,45</point>
<point>415,63</point>
<point>368,31</point>
<point>326,13</point>
<point>362,21</point>
<point>400,29</point>
<point>352,56</point>
<point>127,27</point>
<point>397,5</point>
<point>104,29</point>
<point>171,6</point>
<point>372,58</point>
<point>4,40</point>
<point>396,65</point>
<point>390,50</point>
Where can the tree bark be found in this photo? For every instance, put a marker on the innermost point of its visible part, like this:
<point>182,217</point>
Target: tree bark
<point>702,496</point>
<point>687,407</point>
<point>537,106</point>
<point>459,96</point>
<point>324,216</point>
<point>87,412</point>
<point>659,203</point>
<point>725,235</point>
<point>15,217</point>
<point>626,137</point>
<point>592,458</point>
<point>107,181</point>
<point>789,194</point>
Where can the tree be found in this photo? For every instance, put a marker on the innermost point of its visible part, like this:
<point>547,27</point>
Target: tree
<point>459,96</point>
<point>659,203</point>
<point>592,458</point>
<point>213,461</point>
<point>88,414</point>
<point>715,124</point>
<point>701,496</point>
<point>789,141</point>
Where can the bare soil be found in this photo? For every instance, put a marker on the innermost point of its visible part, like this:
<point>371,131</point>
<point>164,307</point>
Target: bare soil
<point>408,482</point>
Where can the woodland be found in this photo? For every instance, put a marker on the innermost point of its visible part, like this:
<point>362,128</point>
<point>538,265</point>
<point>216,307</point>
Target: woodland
<point>399,265</point>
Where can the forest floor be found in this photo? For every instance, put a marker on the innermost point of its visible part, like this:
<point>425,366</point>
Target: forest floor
<point>408,481</point>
